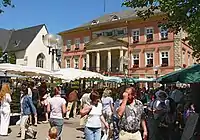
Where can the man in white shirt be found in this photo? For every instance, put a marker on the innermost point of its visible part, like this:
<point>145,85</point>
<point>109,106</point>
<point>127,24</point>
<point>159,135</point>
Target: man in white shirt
<point>176,94</point>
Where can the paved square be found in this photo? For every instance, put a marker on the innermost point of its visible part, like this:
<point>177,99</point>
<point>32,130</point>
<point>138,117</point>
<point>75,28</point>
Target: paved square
<point>69,131</point>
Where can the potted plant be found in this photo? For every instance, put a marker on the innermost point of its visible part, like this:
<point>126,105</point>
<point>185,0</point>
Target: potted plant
<point>135,41</point>
<point>68,49</point>
<point>149,39</point>
<point>149,65</point>
<point>164,65</point>
<point>136,66</point>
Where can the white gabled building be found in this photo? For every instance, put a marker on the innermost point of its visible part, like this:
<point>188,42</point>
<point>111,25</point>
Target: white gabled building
<point>27,44</point>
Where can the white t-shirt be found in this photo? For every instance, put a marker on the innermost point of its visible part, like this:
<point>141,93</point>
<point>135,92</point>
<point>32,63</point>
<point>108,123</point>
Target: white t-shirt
<point>176,95</point>
<point>93,119</point>
<point>30,92</point>
<point>107,101</point>
<point>56,107</point>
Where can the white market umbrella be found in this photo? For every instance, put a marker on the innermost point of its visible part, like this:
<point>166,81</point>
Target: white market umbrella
<point>11,68</point>
<point>24,70</point>
<point>71,74</point>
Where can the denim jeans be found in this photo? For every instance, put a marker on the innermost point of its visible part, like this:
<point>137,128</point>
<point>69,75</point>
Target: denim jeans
<point>25,127</point>
<point>92,133</point>
<point>57,123</point>
<point>115,128</point>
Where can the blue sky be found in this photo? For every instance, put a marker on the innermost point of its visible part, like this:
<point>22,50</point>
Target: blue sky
<point>58,15</point>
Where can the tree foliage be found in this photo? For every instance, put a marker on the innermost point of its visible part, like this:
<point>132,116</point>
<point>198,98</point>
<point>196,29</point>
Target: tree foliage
<point>4,4</point>
<point>180,14</point>
<point>12,58</point>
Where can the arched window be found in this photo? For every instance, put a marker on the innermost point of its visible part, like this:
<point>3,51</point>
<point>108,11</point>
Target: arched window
<point>115,17</point>
<point>40,61</point>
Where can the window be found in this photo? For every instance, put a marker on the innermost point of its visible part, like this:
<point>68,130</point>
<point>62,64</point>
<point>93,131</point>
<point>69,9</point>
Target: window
<point>136,35</point>
<point>149,34</point>
<point>164,57</point>
<point>86,39</point>
<point>99,34</point>
<point>115,17</point>
<point>40,61</point>
<point>188,59</point>
<point>149,59</point>
<point>120,32</point>
<point>135,60</point>
<point>69,43</point>
<point>109,33</point>
<point>183,57</point>
<point>95,22</point>
<point>76,63</point>
<point>163,33</point>
<point>77,43</point>
<point>68,63</point>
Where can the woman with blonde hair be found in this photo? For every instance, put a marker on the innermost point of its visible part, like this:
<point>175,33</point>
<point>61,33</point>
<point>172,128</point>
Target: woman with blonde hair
<point>5,99</point>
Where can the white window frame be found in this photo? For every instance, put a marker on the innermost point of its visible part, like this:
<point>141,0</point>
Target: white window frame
<point>164,31</point>
<point>135,30</point>
<point>86,39</point>
<point>67,44</point>
<point>136,59</point>
<point>146,57</point>
<point>164,57</point>
<point>77,42</point>
<point>77,63</point>
<point>147,28</point>
<point>94,22</point>
<point>68,65</point>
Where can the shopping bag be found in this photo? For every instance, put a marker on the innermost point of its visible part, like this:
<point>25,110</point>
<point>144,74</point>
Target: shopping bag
<point>106,134</point>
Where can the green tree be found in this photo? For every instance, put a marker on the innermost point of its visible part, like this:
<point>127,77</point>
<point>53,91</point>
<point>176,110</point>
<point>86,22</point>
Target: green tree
<point>1,52</point>
<point>180,14</point>
<point>12,58</point>
<point>5,3</point>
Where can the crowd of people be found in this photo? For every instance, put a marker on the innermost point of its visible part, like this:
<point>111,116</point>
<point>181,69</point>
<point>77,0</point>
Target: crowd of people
<point>123,113</point>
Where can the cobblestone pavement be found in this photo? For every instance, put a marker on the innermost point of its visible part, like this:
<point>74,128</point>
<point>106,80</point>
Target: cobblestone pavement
<point>69,131</point>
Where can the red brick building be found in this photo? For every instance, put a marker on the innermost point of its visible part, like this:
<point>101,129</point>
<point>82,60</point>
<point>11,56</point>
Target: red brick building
<point>123,41</point>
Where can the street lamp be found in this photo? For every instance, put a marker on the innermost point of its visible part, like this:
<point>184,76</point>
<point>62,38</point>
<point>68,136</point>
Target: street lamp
<point>54,43</point>
<point>156,69</point>
<point>126,73</point>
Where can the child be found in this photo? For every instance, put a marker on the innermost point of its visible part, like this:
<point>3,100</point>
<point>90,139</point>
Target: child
<point>53,132</point>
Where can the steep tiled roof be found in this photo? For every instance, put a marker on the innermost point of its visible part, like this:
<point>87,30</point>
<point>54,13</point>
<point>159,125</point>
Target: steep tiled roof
<point>4,38</point>
<point>22,38</point>
<point>107,18</point>
<point>126,14</point>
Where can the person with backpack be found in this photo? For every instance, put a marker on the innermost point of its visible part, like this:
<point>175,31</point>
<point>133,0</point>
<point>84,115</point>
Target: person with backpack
<point>157,110</point>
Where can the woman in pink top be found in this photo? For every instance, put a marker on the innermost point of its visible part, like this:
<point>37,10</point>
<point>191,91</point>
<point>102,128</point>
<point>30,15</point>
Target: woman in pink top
<point>56,107</point>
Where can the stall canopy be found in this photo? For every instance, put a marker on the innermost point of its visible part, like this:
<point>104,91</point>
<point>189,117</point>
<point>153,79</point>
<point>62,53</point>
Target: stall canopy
<point>24,70</point>
<point>187,75</point>
<point>71,74</point>
<point>112,79</point>
<point>138,80</point>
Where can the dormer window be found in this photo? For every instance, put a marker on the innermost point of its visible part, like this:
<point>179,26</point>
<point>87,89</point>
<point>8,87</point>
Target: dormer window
<point>115,17</point>
<point>95,22</point>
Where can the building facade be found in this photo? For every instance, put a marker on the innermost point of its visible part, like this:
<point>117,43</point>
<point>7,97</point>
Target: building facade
<point>120,42</point>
